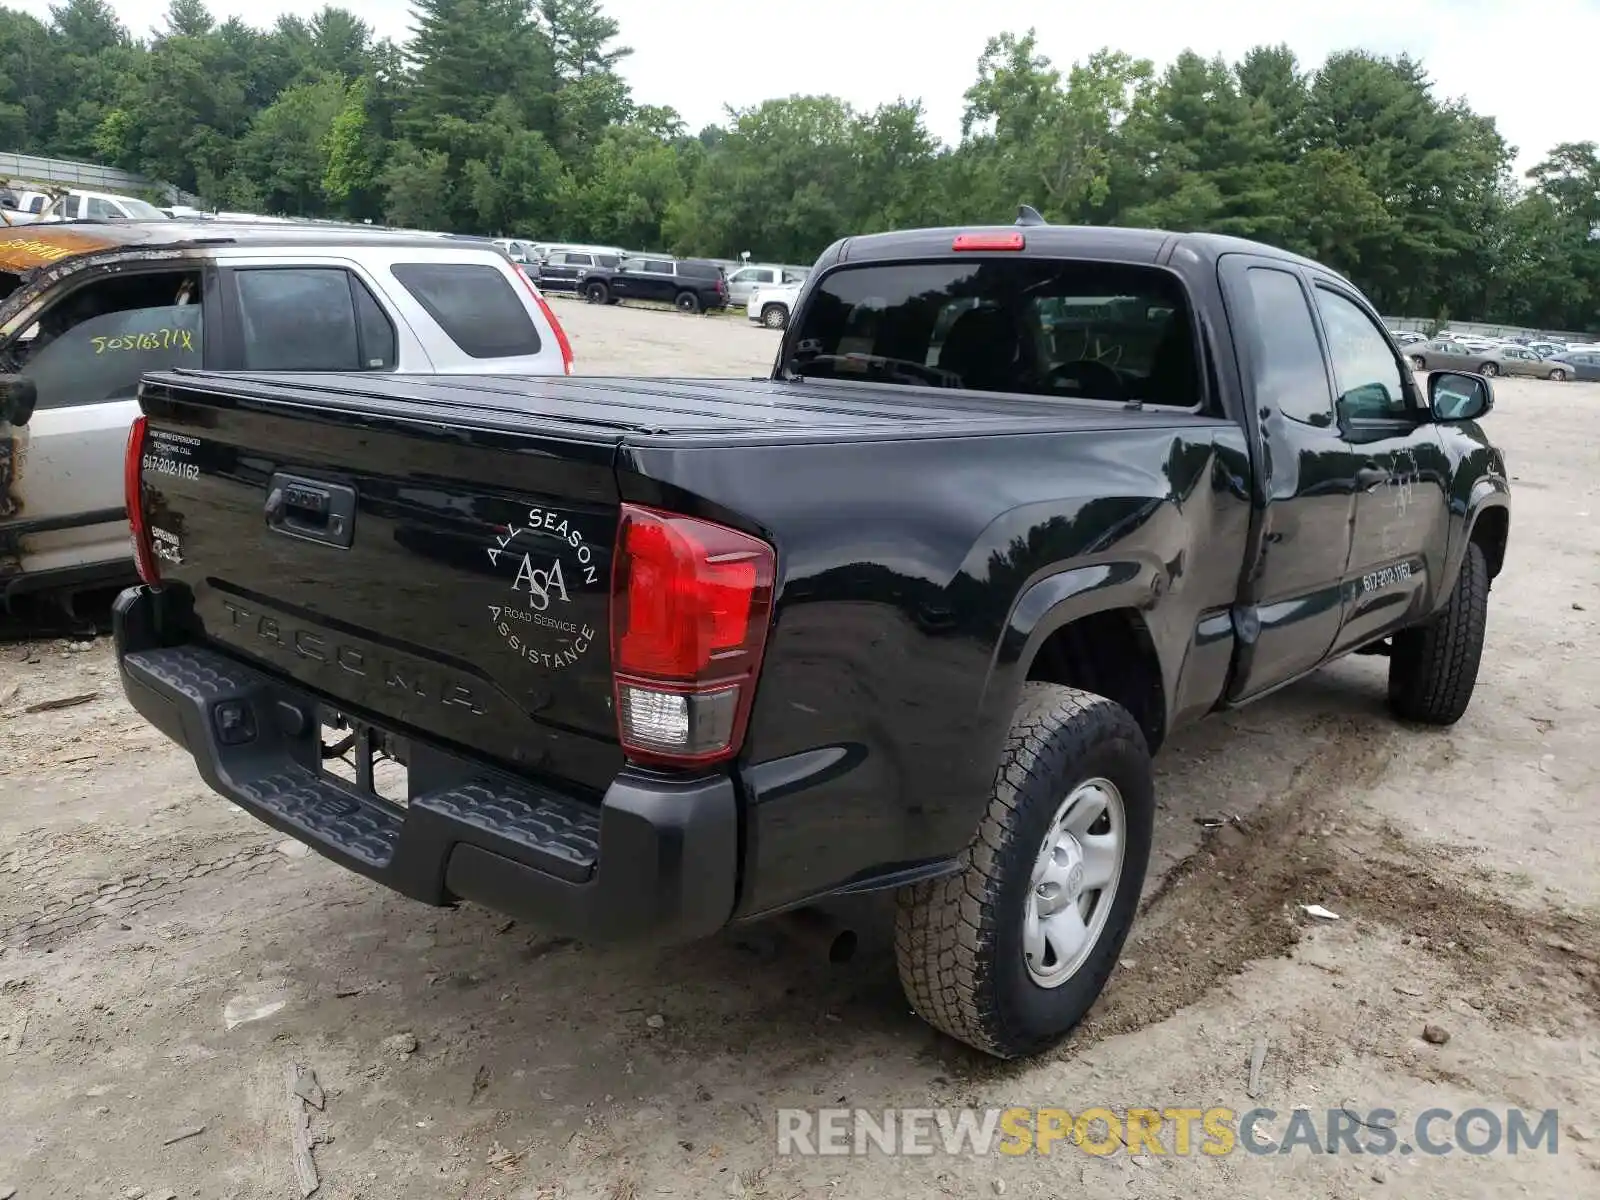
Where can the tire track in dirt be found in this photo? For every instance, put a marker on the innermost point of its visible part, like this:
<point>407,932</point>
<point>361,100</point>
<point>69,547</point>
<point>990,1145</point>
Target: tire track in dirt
<point>1234,901</point>
<point>123,896</point>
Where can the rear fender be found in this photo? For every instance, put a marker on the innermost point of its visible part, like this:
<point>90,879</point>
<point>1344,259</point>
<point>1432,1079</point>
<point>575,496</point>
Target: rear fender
<point>1052,603</point>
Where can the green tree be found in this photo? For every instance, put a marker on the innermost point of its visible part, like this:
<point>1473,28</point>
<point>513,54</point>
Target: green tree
<point>287,146</point>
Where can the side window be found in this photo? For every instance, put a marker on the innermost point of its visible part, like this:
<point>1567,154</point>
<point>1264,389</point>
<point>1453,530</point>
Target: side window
<point>474,305</point>
<point>311,319</point>
<point>1364,368</point>
<point>379,348</point>
<point>656,266</point>
<point>580,260</point>
<point>103,210</point>
<point>1289,371</point>
<point>609,261</point>
<point>94,344</point>
<point>748,275</point>
<point>793,277</point>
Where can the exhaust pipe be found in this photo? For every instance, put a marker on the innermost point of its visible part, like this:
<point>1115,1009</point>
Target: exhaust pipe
<point>820,932</point>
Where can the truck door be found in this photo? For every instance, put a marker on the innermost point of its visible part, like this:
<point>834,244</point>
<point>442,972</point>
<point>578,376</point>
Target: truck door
<point>1291,603</point>
<point>1402,477</point>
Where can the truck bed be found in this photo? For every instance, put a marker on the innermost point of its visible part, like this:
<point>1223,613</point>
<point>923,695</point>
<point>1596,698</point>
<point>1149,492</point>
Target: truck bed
<point>609,409</point>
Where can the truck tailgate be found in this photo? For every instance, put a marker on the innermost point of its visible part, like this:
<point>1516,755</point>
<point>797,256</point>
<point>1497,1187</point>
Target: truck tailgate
<point>431,576</point>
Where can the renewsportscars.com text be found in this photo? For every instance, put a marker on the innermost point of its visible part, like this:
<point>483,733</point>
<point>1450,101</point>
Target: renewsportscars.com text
<point>1211,1132</point>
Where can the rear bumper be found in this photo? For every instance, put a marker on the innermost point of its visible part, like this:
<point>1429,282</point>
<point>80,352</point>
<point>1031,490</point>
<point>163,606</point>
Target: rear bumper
<point>656,860</point>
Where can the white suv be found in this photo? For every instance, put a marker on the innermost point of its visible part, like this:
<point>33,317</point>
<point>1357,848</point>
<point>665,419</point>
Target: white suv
<point>89,308</point>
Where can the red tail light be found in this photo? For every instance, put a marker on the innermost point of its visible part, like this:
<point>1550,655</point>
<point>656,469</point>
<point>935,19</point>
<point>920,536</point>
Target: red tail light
<point>549,315</point>
<point>144,559</point>
<point>691,602</point>
<point>989,241</point>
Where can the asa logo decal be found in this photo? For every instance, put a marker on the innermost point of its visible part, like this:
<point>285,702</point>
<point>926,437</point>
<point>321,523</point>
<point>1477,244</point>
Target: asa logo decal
<point>551,560</point>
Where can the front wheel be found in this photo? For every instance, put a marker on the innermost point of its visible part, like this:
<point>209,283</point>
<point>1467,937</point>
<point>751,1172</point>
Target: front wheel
<point>1488,370</point>
<point>1433,668</point>
<point>1419,363</point>
<point>1012,950</point>
<point>1558,376</point>
<point>597,293</point>
<point>774,316</point>
<point>687,302</point>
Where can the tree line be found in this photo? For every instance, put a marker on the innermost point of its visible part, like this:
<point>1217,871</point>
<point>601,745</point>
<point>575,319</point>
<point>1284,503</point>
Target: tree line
<point>509,117</point>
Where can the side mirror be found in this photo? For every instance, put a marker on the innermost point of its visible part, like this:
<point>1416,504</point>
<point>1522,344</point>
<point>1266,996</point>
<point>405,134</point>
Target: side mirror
<point>18,395</point>
<point>1458,396</point>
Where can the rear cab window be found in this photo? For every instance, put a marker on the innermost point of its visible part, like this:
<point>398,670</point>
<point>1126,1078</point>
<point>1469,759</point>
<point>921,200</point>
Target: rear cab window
<point>1051,328</point>
<point>475,305</point>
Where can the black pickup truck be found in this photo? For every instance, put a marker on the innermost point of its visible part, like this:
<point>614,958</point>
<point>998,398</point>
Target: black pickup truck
<point>640,658</point>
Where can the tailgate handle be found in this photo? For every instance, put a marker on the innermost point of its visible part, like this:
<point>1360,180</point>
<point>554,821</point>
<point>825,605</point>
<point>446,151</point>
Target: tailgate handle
<point>312,510</point>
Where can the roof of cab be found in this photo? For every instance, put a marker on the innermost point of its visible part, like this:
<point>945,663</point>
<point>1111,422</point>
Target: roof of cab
<point>26,247</point>
<point>1099,243</point>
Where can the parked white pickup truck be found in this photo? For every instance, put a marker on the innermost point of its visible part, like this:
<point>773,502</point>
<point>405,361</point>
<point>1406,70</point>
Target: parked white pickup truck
<point>770,306</point>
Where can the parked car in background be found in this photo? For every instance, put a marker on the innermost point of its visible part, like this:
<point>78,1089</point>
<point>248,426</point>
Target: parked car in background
<point>1546,349</point>
<point>91,312</point>
<point>771,306</point>
<point>1492,360</point>
<point>1449,354</point>
<point>689,284</point>
<point>1584,364</point>
<point>562,266</point>
<point>1521,360</point>
<point>101,206</point>
<point>1407,337</point>
<point>24,207</point>
<point>518,251</point>
<point>744,282</point>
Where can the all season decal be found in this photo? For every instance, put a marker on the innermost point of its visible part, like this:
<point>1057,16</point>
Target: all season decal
<point>547,561</point>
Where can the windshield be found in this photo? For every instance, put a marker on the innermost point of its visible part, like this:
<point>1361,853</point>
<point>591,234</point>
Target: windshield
<point>1031,326</point>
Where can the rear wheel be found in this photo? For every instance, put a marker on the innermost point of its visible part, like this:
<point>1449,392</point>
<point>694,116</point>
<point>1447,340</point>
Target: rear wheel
<point>1419,363</point>
<point>1010,952</point>
<point>687,302</point>
<point>1433,668</point>
<point>1558,375</point>
<point>597,293</point>
<point>1488,370</point>
<point>774,316</point>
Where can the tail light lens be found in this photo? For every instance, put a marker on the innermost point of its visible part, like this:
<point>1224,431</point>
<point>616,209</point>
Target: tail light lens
<point>691,602</point>
<point>550,315</point>
<point>144,559</point>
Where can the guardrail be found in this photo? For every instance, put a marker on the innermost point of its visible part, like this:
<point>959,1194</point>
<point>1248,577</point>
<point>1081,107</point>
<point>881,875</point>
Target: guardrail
<point>91,176</point>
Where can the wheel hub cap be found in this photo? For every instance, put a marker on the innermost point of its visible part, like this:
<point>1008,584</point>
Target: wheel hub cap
<point>1074,882</point>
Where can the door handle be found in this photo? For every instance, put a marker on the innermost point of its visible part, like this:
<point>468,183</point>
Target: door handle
<point>1368,478</point>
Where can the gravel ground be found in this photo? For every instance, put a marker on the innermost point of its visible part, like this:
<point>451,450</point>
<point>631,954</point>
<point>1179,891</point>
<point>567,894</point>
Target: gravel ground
<point>163,957</point>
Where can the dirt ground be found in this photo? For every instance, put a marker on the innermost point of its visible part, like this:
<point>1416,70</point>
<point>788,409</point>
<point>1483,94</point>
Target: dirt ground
<point>141,917</point>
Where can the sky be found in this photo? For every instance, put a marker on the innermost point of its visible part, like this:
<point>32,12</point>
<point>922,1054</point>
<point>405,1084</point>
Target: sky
<point>1523,64</point>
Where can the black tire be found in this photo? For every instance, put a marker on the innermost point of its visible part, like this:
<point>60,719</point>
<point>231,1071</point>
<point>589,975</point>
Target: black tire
<point>1419,362</point>
<point>1488,370</point>
<point>774,316</point>
<point>1558,376</point>
<point>958,939</point>
<point>1434,667</point>
<point>597,293</point>
<point>687,302</point>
